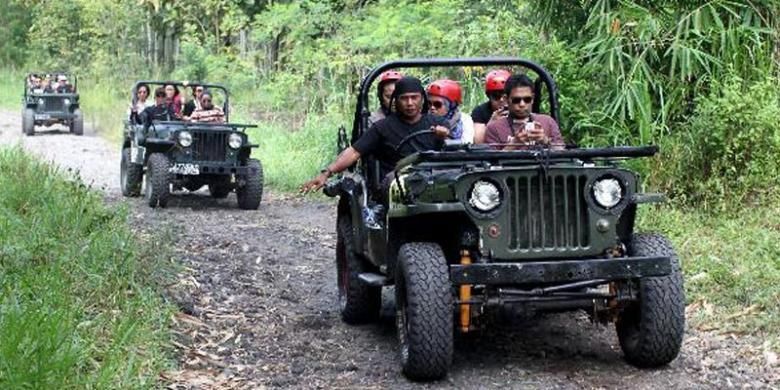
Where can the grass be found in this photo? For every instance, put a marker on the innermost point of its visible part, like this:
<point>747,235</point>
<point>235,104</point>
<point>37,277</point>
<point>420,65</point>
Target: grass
<point>77,304</point>
<point>731,263</point>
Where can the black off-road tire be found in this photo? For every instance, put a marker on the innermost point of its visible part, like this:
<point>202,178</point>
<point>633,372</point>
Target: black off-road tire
<point>651,330</point>
<point>251,193</point>
<point>424,311</point>
<point>358,303</point>
<point>158,188</point>
<point>28,122</point>
<point>131,175</point>
<point>77,125</point>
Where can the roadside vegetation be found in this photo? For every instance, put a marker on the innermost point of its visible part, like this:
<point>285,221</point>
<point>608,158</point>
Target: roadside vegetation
<point>699,78</point>
<point>79,306</point>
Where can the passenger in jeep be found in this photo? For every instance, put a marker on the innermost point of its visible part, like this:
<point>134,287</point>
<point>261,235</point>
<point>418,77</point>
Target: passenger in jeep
<point>384,91</point>
<point>207,112</point>
<point>160,111</point>
<point>383,137</point>
<point>446,97</point>
<point>521,129</point>
<point>495,107</point>
<point>194,103</point>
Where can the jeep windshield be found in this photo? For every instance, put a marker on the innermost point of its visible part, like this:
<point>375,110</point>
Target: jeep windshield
<point>181,97</point>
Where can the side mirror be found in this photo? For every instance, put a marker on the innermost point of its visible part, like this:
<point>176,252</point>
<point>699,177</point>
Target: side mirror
<point>341,141</point>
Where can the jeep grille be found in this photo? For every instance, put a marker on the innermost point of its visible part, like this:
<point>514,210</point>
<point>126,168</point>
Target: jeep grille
<point>209,145</point>
<point>548,213</point>
<point>53,103</point>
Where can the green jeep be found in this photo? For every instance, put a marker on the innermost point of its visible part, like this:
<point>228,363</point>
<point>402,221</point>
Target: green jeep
<point>53,104</point>
<point>168,155</point>
<point>472,234</point>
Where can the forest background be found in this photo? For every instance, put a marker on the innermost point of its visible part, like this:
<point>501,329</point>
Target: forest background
<point>698,78</point>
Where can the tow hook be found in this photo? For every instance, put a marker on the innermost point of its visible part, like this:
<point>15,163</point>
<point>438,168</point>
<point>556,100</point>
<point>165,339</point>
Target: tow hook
<point>465,296</point>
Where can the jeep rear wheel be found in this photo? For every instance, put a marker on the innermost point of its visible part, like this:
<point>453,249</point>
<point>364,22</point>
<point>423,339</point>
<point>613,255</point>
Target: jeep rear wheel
<point>77,125</point>
<point>130,175</point>
<point>358,302</point>
<point>251,193</point>
<point>424,311</point>
<point>651,330</point>
<point>28,121</point>
<point>158,188</point>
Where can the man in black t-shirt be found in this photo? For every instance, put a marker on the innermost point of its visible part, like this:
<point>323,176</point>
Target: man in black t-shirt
<point>382,139</point>
<point>495,106</point>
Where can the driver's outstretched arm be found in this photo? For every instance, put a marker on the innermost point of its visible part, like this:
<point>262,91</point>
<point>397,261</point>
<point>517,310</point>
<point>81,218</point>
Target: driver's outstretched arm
<point>345,160</point>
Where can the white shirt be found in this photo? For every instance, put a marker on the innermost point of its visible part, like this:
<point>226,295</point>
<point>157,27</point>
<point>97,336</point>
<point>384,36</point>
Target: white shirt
<point>468,128</point>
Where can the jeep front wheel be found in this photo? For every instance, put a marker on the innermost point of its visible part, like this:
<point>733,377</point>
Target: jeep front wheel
<point>358,302</point>
<point>158,188</point>
<point>651,330</point>
<point>77,125</point>
<point>28,121</point>
<point>131,175</point>
<point>424,311</point>
<point>250,193</point>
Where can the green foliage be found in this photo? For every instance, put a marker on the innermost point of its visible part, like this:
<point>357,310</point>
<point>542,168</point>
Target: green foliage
<point>727,152</point>
<point>16,20</point>
<point>76,309</point>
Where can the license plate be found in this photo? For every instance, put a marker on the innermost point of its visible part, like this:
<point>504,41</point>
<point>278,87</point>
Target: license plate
<point>42,116</point>
<point>185,169</point>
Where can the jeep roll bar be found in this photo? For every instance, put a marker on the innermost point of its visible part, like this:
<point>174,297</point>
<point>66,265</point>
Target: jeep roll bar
<point>362,112</point>
<point>225,105</point>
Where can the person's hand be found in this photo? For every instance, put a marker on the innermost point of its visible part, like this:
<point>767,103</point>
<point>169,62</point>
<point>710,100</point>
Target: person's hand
<point>440,132</point>
<point>537,133</point>
<point>498,114</point>
<point>314,184</point>
<point>520,137</point>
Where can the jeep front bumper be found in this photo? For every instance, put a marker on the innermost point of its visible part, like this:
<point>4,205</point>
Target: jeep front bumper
<point>560,271</point>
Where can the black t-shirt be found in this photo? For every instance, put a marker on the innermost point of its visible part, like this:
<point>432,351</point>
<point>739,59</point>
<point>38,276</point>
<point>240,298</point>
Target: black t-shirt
<point>383,136</point>
<point>482,113</point>
<point>156,113</point>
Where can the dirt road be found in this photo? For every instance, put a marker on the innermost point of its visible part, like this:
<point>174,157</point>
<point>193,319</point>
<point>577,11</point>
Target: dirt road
<point>259,288</point>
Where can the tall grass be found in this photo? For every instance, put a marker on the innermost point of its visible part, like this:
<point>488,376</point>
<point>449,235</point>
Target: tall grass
<point>77,306</point>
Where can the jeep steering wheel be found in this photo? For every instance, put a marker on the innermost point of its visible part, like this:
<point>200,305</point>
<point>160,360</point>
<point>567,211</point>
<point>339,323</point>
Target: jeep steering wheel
<point>410,136</point>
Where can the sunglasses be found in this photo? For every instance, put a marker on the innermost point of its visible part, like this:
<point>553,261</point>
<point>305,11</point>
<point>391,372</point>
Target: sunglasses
<point>199,90</point>
<point>524,99</point>
<point>206,100</point>
<point>437,105</point>
<point>496,96</point>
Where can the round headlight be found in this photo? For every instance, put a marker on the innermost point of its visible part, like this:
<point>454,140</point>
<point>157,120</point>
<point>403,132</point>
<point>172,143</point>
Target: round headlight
<point>40,101</point>
<point>235,140</point>
<point>485,196</point>
<point>185,139</point>
<point>607,192</point>
<point>66,102</point>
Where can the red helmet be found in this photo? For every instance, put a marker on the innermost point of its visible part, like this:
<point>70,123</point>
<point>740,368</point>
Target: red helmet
<point>390,75</point>
<point>495,80</point>
<point>446,88</point>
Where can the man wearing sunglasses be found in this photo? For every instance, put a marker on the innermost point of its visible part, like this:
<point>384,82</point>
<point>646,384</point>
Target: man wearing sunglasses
<point>521,128</point>
<point>495,107</point>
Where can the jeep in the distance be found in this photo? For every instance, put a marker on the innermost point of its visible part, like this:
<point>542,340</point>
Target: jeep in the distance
<point>169,155</point>
<point>472,234</point>
<point>45,104</point>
